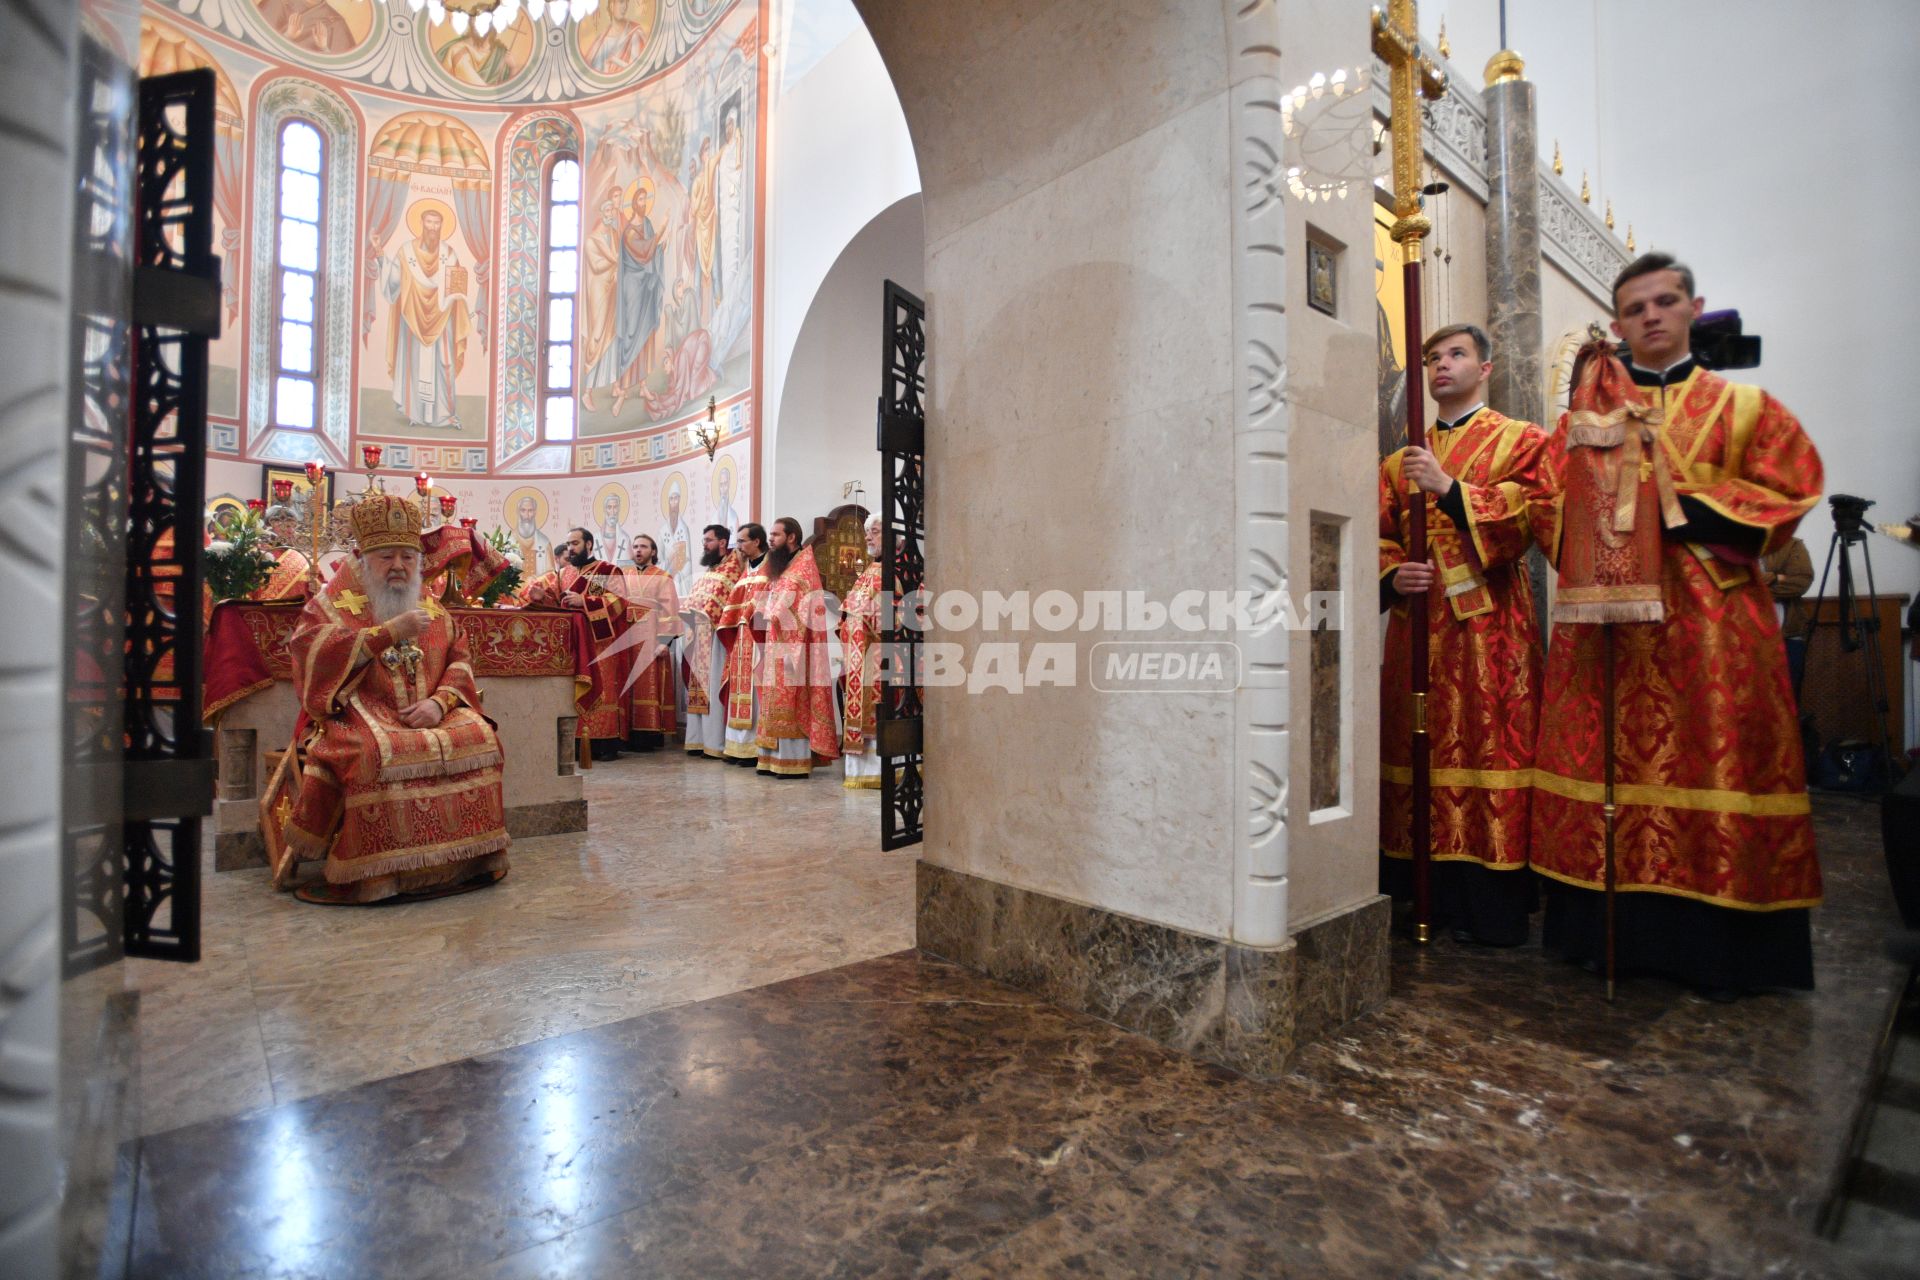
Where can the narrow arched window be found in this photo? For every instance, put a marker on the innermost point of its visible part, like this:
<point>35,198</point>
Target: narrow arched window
<point>297,254</point>
<point>559,313</point>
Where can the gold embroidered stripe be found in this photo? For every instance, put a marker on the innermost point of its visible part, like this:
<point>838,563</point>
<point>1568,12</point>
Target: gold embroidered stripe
<point>1733,903</point>
<point>1654,795</point>
<point>1488,779</point>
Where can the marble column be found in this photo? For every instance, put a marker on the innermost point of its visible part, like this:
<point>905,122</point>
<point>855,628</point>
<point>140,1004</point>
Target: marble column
<point>1518,386</point>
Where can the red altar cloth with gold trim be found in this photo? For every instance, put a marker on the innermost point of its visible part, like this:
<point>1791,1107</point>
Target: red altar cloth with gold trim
<point>247,647</point>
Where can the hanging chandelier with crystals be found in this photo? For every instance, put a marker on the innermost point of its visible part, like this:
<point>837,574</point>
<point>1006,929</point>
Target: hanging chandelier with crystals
<point>490,15</point>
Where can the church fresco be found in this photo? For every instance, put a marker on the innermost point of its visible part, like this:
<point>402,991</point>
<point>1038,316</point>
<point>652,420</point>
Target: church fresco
<point>431,241</point>
<point>616,36</point>
<point>428,211</point>
<point>483,59</point>
<point>327,27</point>
<point>668,277</point>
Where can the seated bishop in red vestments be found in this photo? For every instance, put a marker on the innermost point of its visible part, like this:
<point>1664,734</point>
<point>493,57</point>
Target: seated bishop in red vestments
<point>400,792</point>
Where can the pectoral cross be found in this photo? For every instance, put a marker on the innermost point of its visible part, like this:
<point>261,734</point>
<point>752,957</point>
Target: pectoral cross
<point>1411,75</point>
<point>352,601</point>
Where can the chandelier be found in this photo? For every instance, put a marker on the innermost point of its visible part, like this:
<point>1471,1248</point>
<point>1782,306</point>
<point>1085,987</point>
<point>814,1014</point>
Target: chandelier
<point>497,15</point>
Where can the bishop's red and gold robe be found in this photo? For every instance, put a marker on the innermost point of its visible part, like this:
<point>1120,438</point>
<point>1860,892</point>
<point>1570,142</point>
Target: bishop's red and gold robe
<point>704,658</point>
<point>1483,655</point>
<point>742,627</point>
<point>653,608</point>
<point>796,727</point>
<point>1710,777</point>
<point>860,654</point>
<point>397,809</point>
<point>602,586</point>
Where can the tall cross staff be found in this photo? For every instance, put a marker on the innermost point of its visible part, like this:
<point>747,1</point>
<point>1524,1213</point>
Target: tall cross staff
<point>1396,41</point>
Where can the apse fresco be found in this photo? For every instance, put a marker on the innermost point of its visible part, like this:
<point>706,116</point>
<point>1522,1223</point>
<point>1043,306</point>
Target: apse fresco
<point>431,329</point>
<point>423,367</point>
<point>667,270</point>
<point>326,27</point>
<point>483,59</point>
<point>615,37</point>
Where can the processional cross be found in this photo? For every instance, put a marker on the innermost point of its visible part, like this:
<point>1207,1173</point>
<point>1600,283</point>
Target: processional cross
<point>1412,75</point>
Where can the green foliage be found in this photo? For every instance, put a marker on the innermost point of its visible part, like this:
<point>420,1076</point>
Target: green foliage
<point>237,563</point>
<point>510,577</point>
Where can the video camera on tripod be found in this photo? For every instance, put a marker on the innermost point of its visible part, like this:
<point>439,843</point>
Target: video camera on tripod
<point>1867,766</point>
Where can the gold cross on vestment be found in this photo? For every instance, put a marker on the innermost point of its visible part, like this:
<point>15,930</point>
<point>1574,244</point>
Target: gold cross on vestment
<point>352,601</point>
<point>433,607</point>
<point>1412,75</point>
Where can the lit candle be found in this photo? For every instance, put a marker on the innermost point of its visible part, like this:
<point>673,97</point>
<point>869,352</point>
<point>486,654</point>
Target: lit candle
<point>316,472</point>
<point>422,482</point>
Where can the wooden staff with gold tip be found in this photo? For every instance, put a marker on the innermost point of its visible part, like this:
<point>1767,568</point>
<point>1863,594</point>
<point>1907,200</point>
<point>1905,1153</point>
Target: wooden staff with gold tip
<point>1412,75</point>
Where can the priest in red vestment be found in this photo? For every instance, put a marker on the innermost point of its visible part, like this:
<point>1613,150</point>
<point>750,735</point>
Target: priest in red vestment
<point>400,791</point>
<point>653,609</point>
<point>797,727</point>
<point>742,627</point>
<point>1479,481</point>
<point>597,588</point>
<point>701,652</point>
<point>860,672</point>
<point>290,575</point>
<point>1714,847</point>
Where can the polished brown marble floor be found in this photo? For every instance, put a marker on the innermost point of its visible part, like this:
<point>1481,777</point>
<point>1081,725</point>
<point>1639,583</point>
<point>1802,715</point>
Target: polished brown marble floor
<point>900,1117</point>
<point>694,879</point>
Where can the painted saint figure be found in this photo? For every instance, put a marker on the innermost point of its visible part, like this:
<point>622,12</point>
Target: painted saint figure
<point>535,547</point>
<point>430,321</point>
<point>638,292</point>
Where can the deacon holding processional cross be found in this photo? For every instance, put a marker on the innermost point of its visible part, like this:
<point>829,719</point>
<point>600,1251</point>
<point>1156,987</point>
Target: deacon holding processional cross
<point>1480,481</point>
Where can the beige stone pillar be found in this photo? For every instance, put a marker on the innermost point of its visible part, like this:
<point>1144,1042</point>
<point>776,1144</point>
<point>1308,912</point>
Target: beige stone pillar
<point>1113,279</point>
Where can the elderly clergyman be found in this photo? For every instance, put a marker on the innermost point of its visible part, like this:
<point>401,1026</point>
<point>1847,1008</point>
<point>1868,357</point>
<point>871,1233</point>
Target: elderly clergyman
<point>401,788</point>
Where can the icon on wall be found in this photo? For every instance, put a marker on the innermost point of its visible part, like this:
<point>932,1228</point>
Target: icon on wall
<point>1321,288</point>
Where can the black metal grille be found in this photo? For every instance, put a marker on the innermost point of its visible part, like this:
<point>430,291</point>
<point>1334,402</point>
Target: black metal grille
<point>903,565</point>
<point>100,376</point>
<point>168,783</point>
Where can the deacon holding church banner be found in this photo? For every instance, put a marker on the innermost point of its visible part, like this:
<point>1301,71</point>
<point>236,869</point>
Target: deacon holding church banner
<point>1670,764</point>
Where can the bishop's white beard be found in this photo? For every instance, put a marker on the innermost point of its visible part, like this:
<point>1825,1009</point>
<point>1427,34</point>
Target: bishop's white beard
<point>389,601</point>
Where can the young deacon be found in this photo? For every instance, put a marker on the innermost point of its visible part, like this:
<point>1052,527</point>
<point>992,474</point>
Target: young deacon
<point>1714,853</point>
<point>1479,481</point>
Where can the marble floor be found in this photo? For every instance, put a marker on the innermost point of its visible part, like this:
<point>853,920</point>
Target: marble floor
<point>898,1116</point>
<point>693,880</point>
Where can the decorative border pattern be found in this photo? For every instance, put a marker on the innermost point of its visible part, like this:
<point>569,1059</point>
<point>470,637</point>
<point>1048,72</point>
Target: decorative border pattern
<point>1261,424</point>
<point>533,142</point>
<point>1572,236</point>
<point>398,55</point>
<point>282,99</point>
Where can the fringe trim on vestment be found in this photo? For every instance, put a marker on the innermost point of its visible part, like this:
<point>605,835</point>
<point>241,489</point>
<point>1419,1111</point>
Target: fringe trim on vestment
<point>1604,611</point>
<point>440,768</point>
<point>348,870</point>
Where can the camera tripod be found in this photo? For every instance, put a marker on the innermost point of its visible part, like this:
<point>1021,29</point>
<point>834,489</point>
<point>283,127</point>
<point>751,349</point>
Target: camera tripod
<point>1857,631</point>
